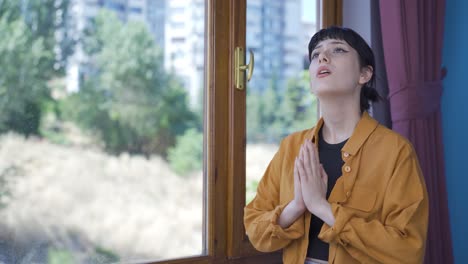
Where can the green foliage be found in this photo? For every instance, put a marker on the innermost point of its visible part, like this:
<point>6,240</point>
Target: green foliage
<point>187,155</point>
<point>299,106</point>
<point>22,83</point>
<point>250,190</point>
<point>7,176</point>
<point>51,126</point>
<point>29,59</point>
<point>128,98</point>
<point>58,256</point>
<point>50,21</point>
<point>102,255</point>
<point>63,256</point>
<point>275,113</point>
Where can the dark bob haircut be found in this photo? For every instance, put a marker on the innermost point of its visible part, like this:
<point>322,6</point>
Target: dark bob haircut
<point>366,58</point>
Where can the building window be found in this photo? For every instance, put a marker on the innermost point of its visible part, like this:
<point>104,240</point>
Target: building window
<point>136,10</point>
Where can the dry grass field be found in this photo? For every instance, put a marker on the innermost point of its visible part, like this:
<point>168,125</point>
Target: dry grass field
<point>82,205</point>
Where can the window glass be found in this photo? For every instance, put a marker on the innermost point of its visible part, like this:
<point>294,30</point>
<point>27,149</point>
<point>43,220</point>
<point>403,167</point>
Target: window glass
<point>101,133</point>
<point>278,98</point>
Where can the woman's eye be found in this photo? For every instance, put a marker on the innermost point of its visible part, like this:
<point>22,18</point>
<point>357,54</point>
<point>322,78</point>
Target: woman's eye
<point>314,55</point>
<point>339,50</point>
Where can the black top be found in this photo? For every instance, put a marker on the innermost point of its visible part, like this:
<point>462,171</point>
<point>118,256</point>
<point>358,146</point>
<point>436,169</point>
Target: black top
<point>330,157</point>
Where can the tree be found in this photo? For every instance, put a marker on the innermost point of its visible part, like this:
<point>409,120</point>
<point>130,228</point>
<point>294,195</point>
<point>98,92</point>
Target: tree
<point>299,106</point>
<point>128,97</point>
<point>29,59</point>
<point>187,155</point>
<point>22,82</point>
<point>275,113</point>
<point>49,20</point>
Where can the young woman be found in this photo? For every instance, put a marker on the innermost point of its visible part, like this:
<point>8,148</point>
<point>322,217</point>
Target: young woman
<point>348,190</point>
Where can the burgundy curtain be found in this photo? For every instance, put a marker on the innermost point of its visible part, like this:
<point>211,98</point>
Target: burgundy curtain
<point>412,33</point>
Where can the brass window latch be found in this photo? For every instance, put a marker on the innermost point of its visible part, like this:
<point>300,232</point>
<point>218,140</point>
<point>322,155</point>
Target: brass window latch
<point>240,67</point>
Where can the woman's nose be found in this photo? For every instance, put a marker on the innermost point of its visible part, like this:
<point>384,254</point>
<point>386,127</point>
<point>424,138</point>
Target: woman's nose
<point>323,57</point>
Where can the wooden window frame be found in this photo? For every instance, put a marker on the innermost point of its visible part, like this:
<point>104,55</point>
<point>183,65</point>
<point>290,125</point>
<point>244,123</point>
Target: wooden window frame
<point>238,243</point>
<point>332,13</point>
<point>225,137</point>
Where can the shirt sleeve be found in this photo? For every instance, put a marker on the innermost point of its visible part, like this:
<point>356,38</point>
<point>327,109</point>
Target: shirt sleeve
<point>261,215</point>
<point>400,236</point>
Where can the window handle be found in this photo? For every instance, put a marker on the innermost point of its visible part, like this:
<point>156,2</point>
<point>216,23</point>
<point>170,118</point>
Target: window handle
<point>240,67</point>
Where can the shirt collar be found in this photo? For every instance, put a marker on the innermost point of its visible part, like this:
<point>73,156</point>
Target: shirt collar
<point>364,128</point>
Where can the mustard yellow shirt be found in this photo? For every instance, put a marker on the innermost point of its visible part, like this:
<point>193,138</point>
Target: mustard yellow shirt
<point>380,202</point>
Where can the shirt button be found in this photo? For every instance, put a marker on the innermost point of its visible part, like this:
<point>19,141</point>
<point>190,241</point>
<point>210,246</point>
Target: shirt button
<point>347,168</point>
<point>348,193</point>
<point>346,154</point>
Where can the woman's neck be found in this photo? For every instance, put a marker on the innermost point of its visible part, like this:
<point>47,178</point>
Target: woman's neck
<point>340,118</point>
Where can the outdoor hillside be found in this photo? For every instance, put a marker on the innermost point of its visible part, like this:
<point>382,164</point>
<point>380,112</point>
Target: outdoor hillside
<point>91,207</point>
<point>80,199</point>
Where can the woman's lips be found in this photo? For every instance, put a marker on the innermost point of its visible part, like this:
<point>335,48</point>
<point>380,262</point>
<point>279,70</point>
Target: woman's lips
<point>323,71</point>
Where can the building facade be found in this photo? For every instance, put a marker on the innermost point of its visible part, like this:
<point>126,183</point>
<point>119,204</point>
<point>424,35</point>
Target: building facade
<point>275,33</point>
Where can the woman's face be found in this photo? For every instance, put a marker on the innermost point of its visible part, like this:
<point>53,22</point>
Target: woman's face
<point>335,70</point>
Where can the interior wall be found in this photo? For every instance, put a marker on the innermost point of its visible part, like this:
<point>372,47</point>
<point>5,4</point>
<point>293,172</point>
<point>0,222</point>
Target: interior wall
<point>455,122</point>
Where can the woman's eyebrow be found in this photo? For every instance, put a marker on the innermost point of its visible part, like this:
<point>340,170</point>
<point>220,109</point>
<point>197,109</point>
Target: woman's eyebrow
<point>333,42</point>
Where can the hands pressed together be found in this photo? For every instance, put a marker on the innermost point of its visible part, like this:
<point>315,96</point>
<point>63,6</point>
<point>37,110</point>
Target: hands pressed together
<point>310,184</point>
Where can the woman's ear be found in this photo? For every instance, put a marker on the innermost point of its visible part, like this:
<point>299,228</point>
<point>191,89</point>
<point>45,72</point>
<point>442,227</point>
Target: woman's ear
<point>366,74</point>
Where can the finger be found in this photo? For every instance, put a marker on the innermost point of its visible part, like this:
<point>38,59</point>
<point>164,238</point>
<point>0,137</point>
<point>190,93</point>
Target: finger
<point>317,157</point>
<point>323,174</point>
<point>300,167</point>
<point>313,161</point>
<point>315,154</point>
<point>308,165</point>
<point>302,157</point>
<point>296,171</point>
<point>297,181</point>
<point>301,151</point>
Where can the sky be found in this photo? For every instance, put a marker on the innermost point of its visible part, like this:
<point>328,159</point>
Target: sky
<point>308,10</point>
